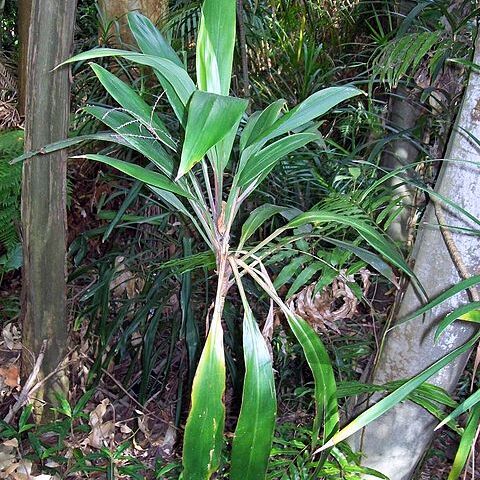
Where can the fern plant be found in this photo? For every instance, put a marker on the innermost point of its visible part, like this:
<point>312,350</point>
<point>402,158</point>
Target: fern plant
<point>207,181</point>
<point>11,146</point>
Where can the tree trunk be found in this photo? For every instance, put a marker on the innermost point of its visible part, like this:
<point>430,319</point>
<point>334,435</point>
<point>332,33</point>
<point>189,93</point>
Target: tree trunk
<point>24,10</point>
<point>404,114</point>
<point>44,191</point>
<point>396,443</point>
<point>116,10</point>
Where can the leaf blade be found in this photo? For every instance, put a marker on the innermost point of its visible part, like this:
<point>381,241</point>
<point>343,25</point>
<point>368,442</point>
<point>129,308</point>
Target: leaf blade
<point>259,165</point>
<point>210,118</point>
<point>204,428</point>
<point>139,173</point>
<point>215,45</point>
<point>254,433</point>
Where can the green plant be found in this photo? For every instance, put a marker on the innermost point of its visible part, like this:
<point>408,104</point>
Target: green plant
<point>208,185</point>
<point>11,146</point>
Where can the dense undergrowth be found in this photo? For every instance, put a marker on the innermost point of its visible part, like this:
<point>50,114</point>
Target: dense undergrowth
<point>141,278</point>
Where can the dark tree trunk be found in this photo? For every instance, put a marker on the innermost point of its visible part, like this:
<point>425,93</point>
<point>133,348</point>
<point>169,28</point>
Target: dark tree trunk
<point>44,191</point>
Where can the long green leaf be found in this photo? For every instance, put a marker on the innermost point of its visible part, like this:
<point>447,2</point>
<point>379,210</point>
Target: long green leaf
<point>152,42</point>
<point>189,325</point>
<point>325,386</point>
<point>256,219</point>
<point>262,163</point>
<point>128,98</point>
<point>371,258</point>
<point>304,277</point>
<point>69,142</point>
<point>139,173</point>
<point>259,122</point>
<point>456,314</point>
<point>253,436</point>
<point>467,404</point>
<point>368,232</point>
<point>326,404</point>
<point>131,133</point>
<point>210,118</point>
<point>452,291</point>
<point>149,39</point>
<point>289,270</point>
<point>203,437</point>
<point>466,444</point>
<point>311,108</point>
<point>398,395</point>
<point>174,79</point>
<point>215,44</point>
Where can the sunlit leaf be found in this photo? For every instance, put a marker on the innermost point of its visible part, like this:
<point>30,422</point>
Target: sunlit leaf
<point>398,395</point>
<point>215,45</point>
<point>458,313</point>
<point>467,404</point>
<point>203,437</point>
<point>449,293</point>
<point>210,118</point>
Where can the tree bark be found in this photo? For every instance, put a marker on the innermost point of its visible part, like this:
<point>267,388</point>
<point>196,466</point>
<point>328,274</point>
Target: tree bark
<point>116,10</point>
<point>396,443</point>
<point>404,114</point>
<point>44,193</point>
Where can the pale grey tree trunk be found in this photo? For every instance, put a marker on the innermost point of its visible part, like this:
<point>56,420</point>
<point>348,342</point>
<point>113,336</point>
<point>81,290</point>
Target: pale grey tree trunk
<point>397,442</point>
<point>404,113</point>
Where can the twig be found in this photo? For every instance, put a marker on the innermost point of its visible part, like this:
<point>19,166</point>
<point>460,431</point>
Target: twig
<point>140,407</point>
<point>24,394</point>
<point>461,268</point>
<point>452,249</point>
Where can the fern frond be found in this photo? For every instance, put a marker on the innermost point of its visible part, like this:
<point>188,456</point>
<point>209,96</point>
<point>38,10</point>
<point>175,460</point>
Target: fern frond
<point>402,55</point>
<point>11,146</point>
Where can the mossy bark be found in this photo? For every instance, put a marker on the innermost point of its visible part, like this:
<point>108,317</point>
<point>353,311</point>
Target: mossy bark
<point>44,194</point>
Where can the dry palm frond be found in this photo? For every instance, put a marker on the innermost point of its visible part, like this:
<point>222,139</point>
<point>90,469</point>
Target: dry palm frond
<point>9,116</point>
<point>7,78</point>
<point>323,309</point>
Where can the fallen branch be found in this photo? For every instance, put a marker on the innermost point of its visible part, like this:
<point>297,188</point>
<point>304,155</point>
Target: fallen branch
<point>29,385</point>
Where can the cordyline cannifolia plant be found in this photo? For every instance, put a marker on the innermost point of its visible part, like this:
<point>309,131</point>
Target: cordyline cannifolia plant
<point>190,179</point>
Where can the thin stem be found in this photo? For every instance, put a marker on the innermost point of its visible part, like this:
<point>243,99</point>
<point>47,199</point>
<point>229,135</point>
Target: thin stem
<point>271,237</point>
<point>238,280</point>
<point>208,187</point>
<point>266,284</point>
